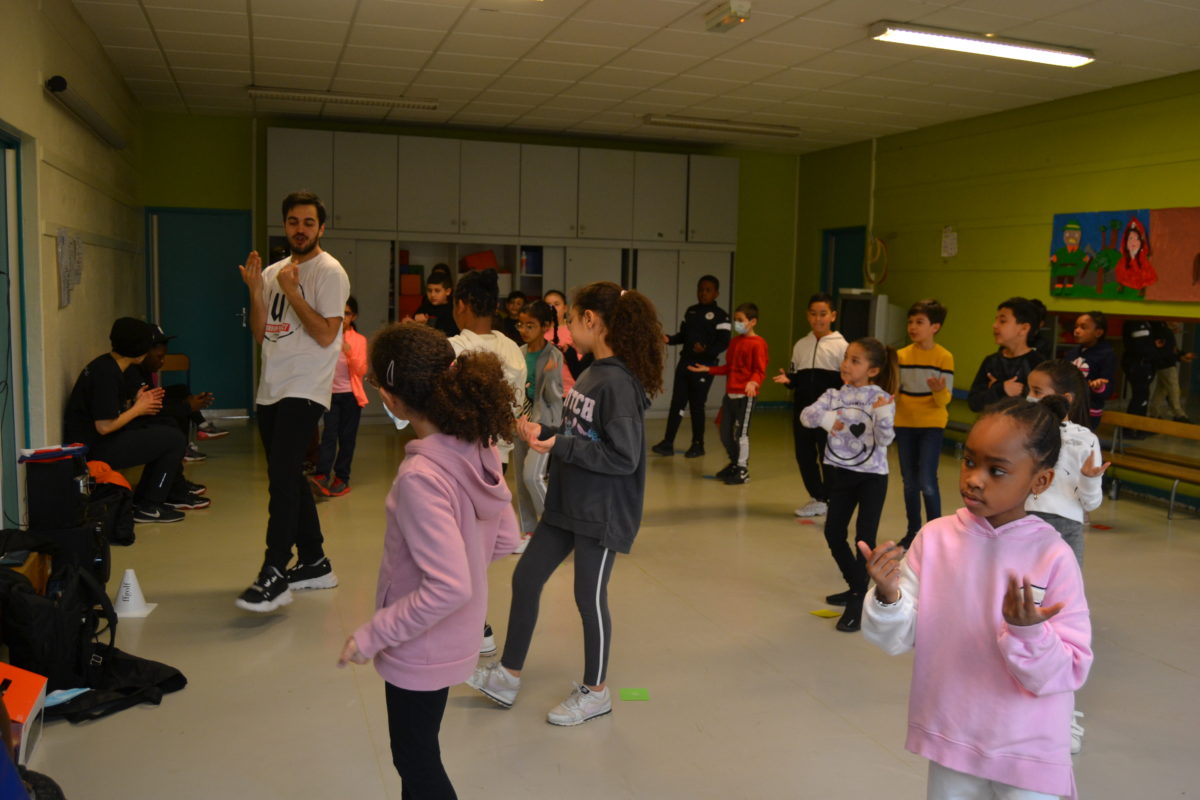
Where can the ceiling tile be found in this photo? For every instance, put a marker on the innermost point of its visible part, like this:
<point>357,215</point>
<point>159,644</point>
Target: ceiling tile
<point>286,48</point>
<point>439,17</point>
<point>191,21</point>
<point>388,36</point>
<point>549,69</point>
<point>206,89</point>
<point>968,19</point>
<point>775,53</point>
<point>109,16</point>
<point>352,111</point>
<point>294,66</point>
<point>385,57</point>
<point>135,56</point>
<point>800,78</point>
<point>492,23</point>
<point>733,70</point>
<point>157,72</point>
<point>205,42</point>
<point>521,99</point>
<point>465,80</point>
<point>855,62</point>
<point>628,77</point>
<point>496,46</point>
<point>516,83</point>
<point>199,5</point>
<point>184,58</point>
<point>128,37</point>
<point>610,34</point>
<point>1029,9</point>
<point>655,61</point>
<point>392,76</point>
<point>574,53</point>
<point>455,94</point>
<point>292,80</point>
<point>306,9</point>
<point>688,43</point>
<point>701,85</point>
<point>815,33</point>
<point>759,23</point>
<point>564,103</point>
<point>488,65</point>
<point>766,92</point>
<point>380,88</point>
<point>656,13</point>
<point>600,91</point>
<point>300,30</point>
<point>730,103</point>
<point>213,77</point>
<point>222,105</point>
<point>862,13</point>
<point>669,100</point>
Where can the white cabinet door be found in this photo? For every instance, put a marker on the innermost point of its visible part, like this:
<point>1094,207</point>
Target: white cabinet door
<point>427,185</point>
<point>549,190</point>
<point>658,279</point>
<point>489,188</point>
<point>693,265</point>
<point>660,197</point>
<point>605,193</point>
<point>364,181</point>
<point>712,199</point>
<point>588,264</point>
<point>298,159</point>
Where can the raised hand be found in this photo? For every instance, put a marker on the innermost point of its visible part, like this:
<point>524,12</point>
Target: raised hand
<point>1089,468</point>
<point>782,377</point>
<point>289,277</point>
<point>252,271</point>
<point>883,565</point>
<point>1018,607</point>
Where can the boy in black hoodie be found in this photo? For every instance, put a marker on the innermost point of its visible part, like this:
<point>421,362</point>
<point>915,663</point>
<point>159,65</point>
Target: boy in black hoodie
<point>1005,373</point>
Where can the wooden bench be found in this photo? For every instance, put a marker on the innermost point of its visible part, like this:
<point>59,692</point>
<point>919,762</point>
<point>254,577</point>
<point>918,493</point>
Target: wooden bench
<point>1173,466</point>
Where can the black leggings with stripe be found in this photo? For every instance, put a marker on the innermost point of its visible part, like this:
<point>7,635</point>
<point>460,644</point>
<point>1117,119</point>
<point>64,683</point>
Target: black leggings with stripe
<point>548,547</point>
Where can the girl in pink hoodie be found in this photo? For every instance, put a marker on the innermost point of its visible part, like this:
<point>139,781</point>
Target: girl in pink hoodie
<point>449,515</point>
<point>991,599</point>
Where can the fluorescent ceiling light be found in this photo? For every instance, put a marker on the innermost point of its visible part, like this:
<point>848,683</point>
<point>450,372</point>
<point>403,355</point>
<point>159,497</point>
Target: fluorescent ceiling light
<point>729,126</point>
<point>306,96</point>
<point>981,44</point>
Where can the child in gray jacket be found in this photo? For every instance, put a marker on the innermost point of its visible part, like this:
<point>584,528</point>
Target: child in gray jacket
<point>543,401</point>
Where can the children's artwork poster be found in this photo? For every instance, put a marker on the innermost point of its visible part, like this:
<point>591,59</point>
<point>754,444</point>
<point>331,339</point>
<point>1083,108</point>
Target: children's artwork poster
<point>1142,254</point>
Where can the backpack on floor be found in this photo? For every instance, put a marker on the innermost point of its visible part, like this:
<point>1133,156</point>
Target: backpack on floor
<point>122,681</point>
<point>110,510</point>
<point>58,635</point>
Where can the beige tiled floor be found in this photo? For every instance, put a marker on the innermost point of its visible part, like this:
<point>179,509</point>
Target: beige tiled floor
<point>751,696</point>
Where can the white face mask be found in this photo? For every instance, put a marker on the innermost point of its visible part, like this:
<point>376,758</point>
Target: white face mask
<point>401,424</point>
<point>740,327</point>
<point>1033,399</point>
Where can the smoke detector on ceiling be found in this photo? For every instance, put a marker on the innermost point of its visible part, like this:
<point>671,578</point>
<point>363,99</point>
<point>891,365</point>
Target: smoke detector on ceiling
<point>728,15</point>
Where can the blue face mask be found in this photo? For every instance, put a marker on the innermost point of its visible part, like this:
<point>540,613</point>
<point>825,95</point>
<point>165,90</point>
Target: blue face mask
<point>401,424</point>
<point>740,327</point>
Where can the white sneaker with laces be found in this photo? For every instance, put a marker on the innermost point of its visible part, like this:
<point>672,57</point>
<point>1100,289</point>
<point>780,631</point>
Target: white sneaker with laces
<point>1076,733</point>
<point>581,705</point>
<point>813,508</point>
<point>496,683</point>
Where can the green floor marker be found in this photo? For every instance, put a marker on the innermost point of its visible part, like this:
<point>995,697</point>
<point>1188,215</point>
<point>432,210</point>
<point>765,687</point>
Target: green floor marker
<point>635,694</point>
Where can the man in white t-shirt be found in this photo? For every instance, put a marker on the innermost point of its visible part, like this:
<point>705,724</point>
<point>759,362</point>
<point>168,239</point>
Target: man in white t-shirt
<point>296,307</point>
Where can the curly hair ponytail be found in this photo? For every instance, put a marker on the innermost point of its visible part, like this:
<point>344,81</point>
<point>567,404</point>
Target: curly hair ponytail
<point>466,397</point>
<point>634,331</point>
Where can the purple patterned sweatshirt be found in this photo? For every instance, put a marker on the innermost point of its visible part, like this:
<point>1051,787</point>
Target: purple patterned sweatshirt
<point>861,443</point>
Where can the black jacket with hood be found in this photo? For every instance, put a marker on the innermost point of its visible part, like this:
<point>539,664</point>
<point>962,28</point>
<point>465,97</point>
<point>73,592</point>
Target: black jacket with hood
<point>598,462</point>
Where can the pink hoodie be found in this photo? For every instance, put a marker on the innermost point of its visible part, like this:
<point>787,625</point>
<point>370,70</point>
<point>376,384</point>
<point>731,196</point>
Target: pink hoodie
<point>987,699</point>
<point>449,515</point>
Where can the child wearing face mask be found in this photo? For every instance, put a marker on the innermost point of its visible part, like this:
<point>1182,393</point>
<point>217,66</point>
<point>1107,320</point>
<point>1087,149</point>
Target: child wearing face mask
<point>746,366</point>
<point>859,418</point>
<point>448,516</point>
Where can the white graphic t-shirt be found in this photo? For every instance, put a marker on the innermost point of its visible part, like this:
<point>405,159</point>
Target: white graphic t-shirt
<point>293,364</point>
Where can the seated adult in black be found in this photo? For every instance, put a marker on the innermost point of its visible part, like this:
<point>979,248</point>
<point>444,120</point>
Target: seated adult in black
<point>179,408</point>
<point>99,414</point>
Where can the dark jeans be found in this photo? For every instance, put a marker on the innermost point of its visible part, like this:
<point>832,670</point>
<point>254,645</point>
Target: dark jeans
<point>341,432</point>
<point>548,547</point>
<point>690,389</point>
<point>810,457</point>
<point>919,450</point>
<point>414,721</point>
<point>848,489</point>
<point>285,428</point>
<point>159,447</point>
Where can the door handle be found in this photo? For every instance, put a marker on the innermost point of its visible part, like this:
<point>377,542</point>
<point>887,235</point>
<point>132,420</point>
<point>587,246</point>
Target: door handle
<point>241,314</point>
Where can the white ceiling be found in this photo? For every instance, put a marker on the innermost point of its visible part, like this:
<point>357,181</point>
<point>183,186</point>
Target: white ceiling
<point>595,67</point>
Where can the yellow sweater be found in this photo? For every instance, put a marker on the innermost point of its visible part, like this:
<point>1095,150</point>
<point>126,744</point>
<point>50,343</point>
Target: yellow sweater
<point>916,405</point>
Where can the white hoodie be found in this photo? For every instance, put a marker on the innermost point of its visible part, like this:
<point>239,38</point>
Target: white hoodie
<point>1072,493</point>
<point>511,359</point>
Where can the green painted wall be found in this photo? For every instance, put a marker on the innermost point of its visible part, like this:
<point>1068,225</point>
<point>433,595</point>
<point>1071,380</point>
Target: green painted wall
<point>196,161</point>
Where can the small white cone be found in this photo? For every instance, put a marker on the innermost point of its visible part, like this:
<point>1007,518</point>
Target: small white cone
<point>130,602</point>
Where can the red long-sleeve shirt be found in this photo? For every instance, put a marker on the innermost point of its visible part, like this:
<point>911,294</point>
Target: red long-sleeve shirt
<point>745,361</point>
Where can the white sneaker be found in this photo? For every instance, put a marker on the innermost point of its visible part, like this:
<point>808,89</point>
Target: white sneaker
<point>813,508</point>
<point>496,683</point>
<point>581,705</point>
<point>1076,733</point>
<point>520,548</point>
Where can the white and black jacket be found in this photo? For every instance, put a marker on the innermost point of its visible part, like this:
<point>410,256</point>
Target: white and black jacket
<point>816,367</point>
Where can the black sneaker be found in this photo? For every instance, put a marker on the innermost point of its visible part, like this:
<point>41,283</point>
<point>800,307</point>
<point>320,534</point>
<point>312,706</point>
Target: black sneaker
<point>188,502</point>
<point>268,592</point>
<point>839,599</point>
<point>317,575</point>
<point>736,476</point>
<point>851,619</point>
<point>725,471</point>
<point>663,448</point>
<point>156,512</point>
<point>195,488</point>
<point>191,454</point>
<point>695,451</point>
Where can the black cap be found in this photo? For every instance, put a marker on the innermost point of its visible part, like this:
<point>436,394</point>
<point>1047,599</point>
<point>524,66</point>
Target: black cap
<point>157,336</point>
<point>131,337</point>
